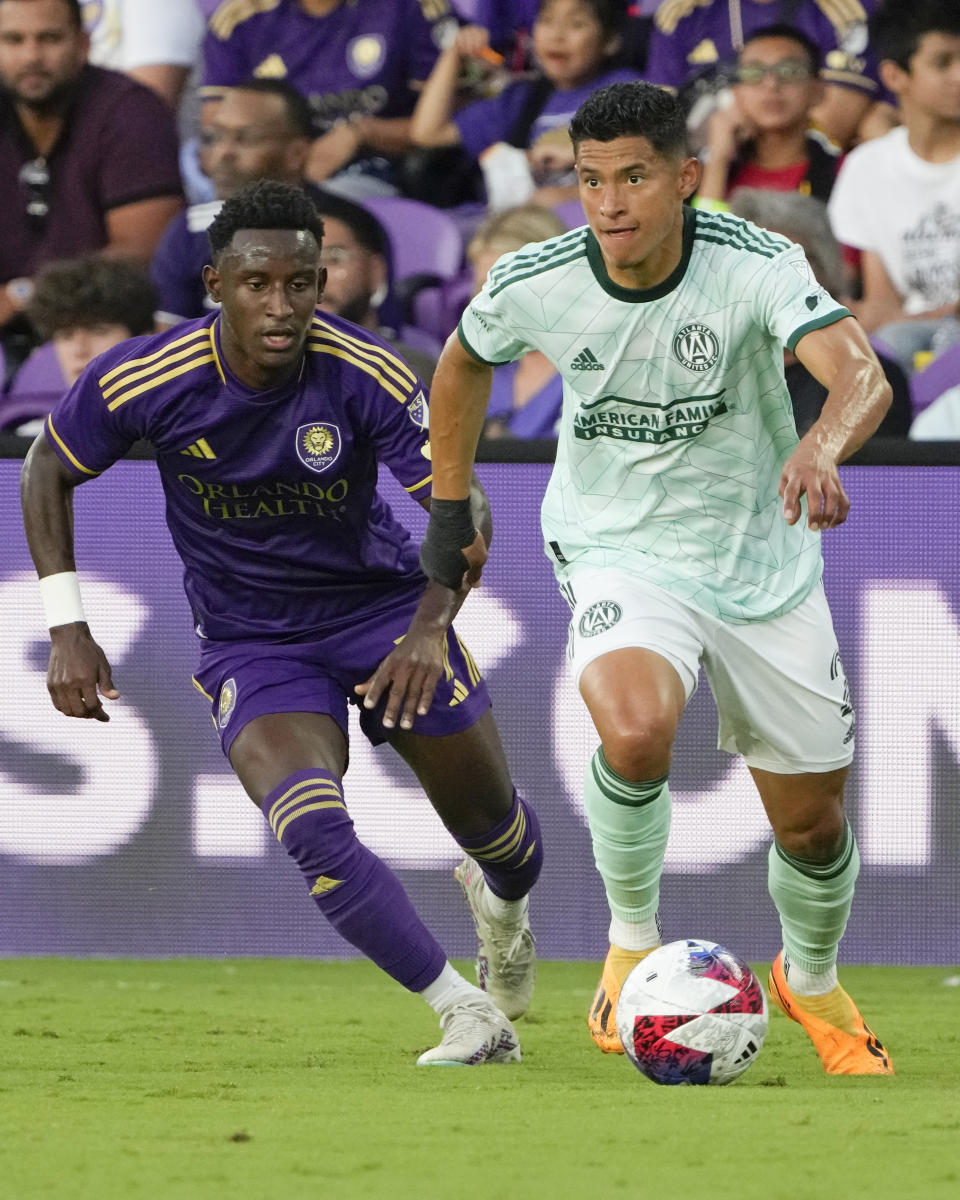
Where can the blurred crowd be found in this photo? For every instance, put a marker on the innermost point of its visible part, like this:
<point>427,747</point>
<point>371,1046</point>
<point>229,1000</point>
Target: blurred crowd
<point>432,137</point>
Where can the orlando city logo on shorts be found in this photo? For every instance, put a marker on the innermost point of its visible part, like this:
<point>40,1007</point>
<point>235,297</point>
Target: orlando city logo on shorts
<point>318,445</point>
<point>600,617</point>
<point>227,703</point>
<point>696,346</point>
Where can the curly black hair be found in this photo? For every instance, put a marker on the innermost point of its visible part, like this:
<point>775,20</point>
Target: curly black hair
<point>79,293</point>
<point>632,110</point>
<point>265,204</point>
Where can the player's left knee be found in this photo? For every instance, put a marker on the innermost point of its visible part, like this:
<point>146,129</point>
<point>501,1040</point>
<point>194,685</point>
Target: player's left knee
<point>821,842</point>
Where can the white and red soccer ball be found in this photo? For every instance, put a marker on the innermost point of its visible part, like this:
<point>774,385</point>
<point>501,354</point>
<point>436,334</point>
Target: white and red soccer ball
<point>692,1012</point>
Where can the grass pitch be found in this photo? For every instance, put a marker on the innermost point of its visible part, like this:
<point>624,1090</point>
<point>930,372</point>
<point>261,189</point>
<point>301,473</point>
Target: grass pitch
<point>267,1079</point>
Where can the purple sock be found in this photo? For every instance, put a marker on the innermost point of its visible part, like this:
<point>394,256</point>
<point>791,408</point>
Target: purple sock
<point>511,853</point>
<point>357,893</point>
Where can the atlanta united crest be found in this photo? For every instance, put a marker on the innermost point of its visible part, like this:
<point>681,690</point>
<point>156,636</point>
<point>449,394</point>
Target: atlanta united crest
<point>318,445</point>
<point>600,617</point>
<point>697,346</point>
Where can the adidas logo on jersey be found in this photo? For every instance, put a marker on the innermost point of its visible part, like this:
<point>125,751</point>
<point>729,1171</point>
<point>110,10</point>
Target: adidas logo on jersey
<point>585,361</point>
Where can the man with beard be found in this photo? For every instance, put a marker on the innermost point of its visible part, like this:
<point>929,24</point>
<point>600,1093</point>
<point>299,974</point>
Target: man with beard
<point>88,157</point>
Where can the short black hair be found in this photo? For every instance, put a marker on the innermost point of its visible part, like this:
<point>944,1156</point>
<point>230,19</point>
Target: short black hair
<point>611,14</point>
<point>78,293</point>
<point>299,112</point>
<point>265,204</point>
<point>74,11</point>
<point>632,110</point>
<point>782,30</point>
<point>897,27</point>
<point>359,220</point>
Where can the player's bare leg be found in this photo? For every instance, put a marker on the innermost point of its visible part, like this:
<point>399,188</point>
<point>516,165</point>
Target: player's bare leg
<point>813,867</point>
<point>635,698</point>
<point>291,765</point>
<point>466,777</point>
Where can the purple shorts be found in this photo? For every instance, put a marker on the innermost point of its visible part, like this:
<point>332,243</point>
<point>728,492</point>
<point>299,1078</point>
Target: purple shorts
<point>245,680</point>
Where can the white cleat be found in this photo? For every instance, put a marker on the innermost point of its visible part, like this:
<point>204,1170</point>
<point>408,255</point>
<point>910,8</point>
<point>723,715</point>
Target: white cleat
<point>474,1032</point>
<point>506,960</point>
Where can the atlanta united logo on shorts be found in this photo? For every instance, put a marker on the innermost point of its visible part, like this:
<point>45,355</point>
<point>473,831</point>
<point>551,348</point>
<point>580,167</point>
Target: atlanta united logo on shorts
<point>318,446</point>
<point>600,617</point>
<point>697,346</point>
<point>228,701</point>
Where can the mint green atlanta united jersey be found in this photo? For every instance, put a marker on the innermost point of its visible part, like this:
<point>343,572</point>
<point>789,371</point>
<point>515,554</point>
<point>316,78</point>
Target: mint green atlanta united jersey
<point>676,418</point>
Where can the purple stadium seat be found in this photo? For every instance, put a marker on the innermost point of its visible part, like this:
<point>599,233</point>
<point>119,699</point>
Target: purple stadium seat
<point>571,213</point>
<point>35,388</point>
<point>933,380</point>
<point>425,240</point>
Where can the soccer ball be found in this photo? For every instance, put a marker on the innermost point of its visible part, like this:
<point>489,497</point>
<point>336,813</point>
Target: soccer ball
<point>692,1012</point>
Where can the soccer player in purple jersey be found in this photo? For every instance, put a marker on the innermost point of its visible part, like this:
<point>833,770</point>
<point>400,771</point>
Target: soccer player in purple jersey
<point>269,421</point>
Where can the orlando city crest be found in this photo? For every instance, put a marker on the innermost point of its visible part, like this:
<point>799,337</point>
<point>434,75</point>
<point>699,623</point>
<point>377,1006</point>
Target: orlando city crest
<point>318,445</point>
<point>228,701</point>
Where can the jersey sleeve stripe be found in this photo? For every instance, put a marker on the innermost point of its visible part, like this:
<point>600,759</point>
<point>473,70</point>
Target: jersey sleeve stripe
<point>474,353</point>
<point>375,371</point>
<point>196,684</point>
<point>158,379</point>
<point>830,318</point>
<point>423,483</point>
<point>198,334</point>
<point>548,265</point>
<point>397,366</point>
<point>67,451</point>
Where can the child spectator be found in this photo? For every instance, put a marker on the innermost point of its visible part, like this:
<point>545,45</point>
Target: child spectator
<point>81,307</point>
<point>526,395</point>
<point>897,197</point>
<point>763,138</point>
<point>575,42</point>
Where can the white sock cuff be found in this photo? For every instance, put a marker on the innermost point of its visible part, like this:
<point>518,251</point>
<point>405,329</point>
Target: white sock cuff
<point>634,935</point>
<point>448,989</point>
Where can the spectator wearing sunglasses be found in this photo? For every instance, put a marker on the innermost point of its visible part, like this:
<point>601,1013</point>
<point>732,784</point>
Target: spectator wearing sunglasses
<point>762,138</point>
<point>88,156</point>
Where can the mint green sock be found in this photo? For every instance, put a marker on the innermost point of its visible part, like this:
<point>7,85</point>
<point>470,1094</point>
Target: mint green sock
<point>629,824</point>
<point>813,900</point>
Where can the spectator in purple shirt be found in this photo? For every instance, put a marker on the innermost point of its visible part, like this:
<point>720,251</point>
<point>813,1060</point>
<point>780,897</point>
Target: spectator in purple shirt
<point>574,42</point>
<point>270,420</point>
<point>88,157</point>
<point>359,64</point>
<point>696,38</point>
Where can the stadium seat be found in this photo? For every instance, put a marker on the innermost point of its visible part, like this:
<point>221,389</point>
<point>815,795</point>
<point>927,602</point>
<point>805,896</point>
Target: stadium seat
<point>933,381</point>
<point>34,390</point>
<point>571,213</point>
<point>427,251</point>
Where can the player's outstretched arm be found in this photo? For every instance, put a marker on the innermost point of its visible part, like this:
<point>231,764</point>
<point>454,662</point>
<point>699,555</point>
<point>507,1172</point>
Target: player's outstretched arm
<point>454,550</point>
<point>409,674</point>
<point>858,395</point>
<point>78,673</point>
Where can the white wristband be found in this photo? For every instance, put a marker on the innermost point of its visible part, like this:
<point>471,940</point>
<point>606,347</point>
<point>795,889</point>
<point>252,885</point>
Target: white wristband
<point>60,594</point>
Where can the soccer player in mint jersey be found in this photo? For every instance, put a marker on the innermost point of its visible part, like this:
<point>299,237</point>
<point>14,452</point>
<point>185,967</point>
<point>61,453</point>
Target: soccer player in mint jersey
<point>683,520</point>
<point>269,421</point>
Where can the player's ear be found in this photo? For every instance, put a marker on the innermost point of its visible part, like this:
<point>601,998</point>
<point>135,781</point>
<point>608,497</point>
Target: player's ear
<point>211,281</point>
<point>688,179</point>
<point>321,282</point>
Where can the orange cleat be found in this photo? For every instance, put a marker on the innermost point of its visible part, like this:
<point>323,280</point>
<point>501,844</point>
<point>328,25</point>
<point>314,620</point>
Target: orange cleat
<point>602,1017</point>
<point>859,1053</point>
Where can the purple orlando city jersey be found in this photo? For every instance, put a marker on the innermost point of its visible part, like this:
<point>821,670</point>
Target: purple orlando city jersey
<point>365,56</point>
<point>271,496</point>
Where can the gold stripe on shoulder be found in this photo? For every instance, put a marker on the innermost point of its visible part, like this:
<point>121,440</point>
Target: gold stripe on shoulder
<point>160,365</point>
<point>671,12</point>
<point>67,451</point>
<point>232,13</point>
<point>841,13</point>
<point>140,362</point>
<point>361,345</point>
<point>158,379</point>
<point>375,371</point>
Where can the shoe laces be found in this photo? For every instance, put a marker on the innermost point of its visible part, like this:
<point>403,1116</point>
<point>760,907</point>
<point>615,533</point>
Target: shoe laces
<point>462,1018</point>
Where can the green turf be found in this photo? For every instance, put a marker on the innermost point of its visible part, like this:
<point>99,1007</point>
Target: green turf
<point>268,1079</point>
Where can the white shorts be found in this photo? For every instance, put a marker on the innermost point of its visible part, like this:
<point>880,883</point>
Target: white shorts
<point>781,694</point>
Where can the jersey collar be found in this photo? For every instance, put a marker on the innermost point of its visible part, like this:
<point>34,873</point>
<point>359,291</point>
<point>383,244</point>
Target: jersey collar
<point>643,295</point>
